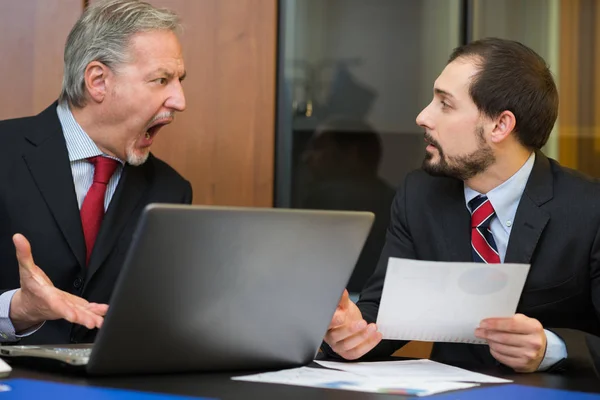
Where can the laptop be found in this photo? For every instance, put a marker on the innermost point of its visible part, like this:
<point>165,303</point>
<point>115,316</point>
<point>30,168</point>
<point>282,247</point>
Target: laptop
<point>207,288</point>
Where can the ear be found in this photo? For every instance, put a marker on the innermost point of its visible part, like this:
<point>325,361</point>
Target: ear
<point>95,76</point>
<point>504,126</point>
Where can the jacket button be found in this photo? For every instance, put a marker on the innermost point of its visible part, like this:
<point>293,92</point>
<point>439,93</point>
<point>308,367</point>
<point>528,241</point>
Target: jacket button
<point>78,282</point>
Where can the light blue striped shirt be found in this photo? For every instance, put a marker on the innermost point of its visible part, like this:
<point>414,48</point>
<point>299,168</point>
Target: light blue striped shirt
<point>505,200</point>
<point>80,147</point>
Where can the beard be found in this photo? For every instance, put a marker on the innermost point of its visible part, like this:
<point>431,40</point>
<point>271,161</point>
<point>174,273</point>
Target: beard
<point>460,167</point>
<point>136,157</point>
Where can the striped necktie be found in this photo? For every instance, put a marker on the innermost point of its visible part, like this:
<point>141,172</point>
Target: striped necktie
<point>483,245</point>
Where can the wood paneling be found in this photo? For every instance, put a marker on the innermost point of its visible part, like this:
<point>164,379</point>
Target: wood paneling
<point>224,142</point>
<point>579,85</point>
<point>32,38</point>
<point>569,83</point>
<point>415,349</point>
<point>596,79</point>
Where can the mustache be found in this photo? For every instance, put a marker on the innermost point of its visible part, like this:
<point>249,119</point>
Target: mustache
<point>431,140</point>
<point>163,115</point>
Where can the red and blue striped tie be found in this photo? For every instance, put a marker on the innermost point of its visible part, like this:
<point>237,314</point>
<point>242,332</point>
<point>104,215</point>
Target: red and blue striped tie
<point>483,244</point>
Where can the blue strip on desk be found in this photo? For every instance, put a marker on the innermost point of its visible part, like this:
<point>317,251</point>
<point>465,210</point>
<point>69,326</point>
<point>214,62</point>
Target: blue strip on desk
<point>12,389</point>
<point>515,392</point>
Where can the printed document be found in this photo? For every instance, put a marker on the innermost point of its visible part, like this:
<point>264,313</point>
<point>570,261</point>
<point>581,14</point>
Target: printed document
<point>445,301</point>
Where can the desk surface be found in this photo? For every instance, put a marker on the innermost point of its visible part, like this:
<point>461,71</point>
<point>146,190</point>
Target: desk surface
<point>222,387</point>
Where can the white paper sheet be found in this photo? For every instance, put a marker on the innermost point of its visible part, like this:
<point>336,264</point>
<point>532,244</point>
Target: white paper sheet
<point>412,370</point>
<point>331,379</point>
<point>446,301</point>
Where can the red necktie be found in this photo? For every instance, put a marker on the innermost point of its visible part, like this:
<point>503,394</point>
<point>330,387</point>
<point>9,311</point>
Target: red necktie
<point>483,244</point>
<point>92,209</point>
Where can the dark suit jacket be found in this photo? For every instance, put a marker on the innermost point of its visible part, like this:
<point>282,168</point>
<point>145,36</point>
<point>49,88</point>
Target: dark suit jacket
<point>556,229</point>
<point>37,199</point>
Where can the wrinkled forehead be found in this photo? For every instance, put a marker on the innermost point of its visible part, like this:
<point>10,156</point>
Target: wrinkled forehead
<point>155,45</point>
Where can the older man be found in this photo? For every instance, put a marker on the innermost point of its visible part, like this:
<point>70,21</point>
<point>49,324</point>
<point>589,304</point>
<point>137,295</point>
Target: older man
<point>74,179</point>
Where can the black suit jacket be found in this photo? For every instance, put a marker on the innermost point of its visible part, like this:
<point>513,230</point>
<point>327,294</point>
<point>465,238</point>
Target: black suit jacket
<point>37,199</point>
<point>556,229</point>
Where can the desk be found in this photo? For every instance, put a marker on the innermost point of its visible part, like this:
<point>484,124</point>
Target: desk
<point>221,387</point>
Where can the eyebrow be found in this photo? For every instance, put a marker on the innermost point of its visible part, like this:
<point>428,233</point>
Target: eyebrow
<point>441,92</point>
<point>168,74</point>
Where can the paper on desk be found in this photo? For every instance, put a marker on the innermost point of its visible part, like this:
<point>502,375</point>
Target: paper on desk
<point>446,301</point>
<point>412,370</point>
<point>326,378</point>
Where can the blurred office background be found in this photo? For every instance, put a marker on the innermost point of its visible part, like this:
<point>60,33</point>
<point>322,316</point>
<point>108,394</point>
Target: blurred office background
<point>354,74</point>
<point>312,103</point>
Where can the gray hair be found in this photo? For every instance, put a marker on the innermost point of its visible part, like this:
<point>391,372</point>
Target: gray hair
<point>103,34</point>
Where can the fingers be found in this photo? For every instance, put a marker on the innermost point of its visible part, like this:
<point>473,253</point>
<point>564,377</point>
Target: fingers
<point>522,363</point>
<point>344,312</point>
<point>510,339</point>
<point>23,249</point>
<point>344,300</point>
<point>519,323</point>
<point>98,309</point>
<point>75,310</point>
<point>521,351</point>
<point>359,344</point>
<point>507,350</point>
<point>338,319</point>
<point>73,300</point>
<point>528,341</point>
<point>507,360</point>
<point>342,332</point>
<point>81,315</point>
<point>352,341</point>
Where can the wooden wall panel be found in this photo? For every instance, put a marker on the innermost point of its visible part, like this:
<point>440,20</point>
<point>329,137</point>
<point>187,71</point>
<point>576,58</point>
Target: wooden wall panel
<point>224,142</point>
<point>596,80</point>
<point>568,83</point>
<point>32,38</point>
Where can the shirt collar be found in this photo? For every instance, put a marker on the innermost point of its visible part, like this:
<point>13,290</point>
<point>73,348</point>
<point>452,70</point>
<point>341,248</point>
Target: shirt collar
<point>79,145</point>
<point>505,197</point>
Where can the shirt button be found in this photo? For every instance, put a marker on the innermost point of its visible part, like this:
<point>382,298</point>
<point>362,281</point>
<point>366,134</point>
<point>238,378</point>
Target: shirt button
<point>508,223</point>
<point>78,282</point>
<point>3,335</point>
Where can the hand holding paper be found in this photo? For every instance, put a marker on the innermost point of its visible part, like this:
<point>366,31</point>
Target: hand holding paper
<point>446,301</point>
<point>518,342</point>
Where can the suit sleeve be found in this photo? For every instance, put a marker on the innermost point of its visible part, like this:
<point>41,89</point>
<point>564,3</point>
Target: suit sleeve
<point>398,243</point>
<point>583,349</point>
<point>188,195</point>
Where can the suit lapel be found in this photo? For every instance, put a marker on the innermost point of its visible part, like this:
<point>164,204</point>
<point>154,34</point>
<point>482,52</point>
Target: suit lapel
<point>48,163</point>
<point>455,222</point>
<point>530,219</point>
<point>130,190</point>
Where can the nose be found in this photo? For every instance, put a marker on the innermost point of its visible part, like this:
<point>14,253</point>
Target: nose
<point>176,100</point>
<point>423,118</point>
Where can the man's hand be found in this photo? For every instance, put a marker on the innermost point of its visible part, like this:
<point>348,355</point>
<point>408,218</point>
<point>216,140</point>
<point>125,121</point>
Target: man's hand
<point>38,300</point>
<point>518,342</point>
<point>349,335</point>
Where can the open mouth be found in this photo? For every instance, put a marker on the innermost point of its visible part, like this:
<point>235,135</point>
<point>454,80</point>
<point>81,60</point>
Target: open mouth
<point>152,131</point>
<point>155,127</point>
